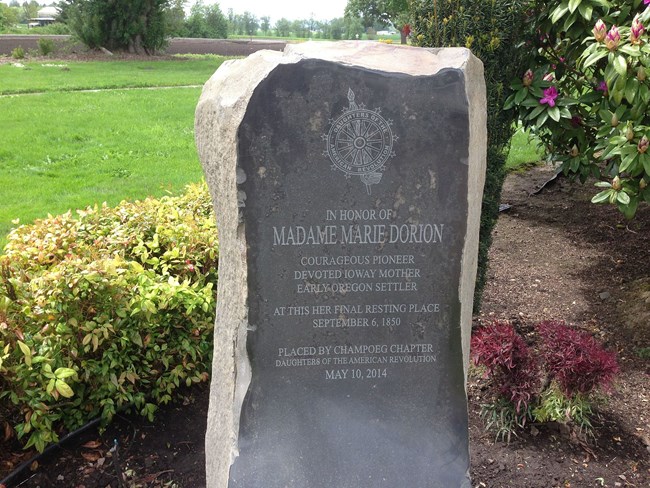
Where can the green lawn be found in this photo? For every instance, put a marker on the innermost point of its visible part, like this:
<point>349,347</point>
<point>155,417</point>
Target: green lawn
<point>68,150</point>
<point>67,76</point>
<point>64,150</point>
<point>524,150</point>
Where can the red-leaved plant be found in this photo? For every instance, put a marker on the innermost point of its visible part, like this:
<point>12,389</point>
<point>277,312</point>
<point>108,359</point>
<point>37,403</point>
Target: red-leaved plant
<point>574,363</point>
<point>575,359</point>
<point>509,362</point>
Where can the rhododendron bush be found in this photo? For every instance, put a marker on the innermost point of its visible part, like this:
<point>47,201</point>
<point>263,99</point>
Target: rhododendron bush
<point>587,92</point>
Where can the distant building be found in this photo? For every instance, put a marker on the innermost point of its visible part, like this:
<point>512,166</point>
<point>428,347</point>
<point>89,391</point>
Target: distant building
<point>45,16</point>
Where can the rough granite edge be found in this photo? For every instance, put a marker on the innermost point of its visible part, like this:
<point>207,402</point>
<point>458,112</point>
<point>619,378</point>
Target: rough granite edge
<point>390,58</point>
<point>220,110</point>
<point>477,101</point>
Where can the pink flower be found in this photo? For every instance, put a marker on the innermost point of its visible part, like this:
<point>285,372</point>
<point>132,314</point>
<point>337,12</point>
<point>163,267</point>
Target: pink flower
<point>636,30</point>
<point>600,30</point>
<point>646,2</point>
<point>602,86</point>
<point>550,94</point>
<point>612,38</point>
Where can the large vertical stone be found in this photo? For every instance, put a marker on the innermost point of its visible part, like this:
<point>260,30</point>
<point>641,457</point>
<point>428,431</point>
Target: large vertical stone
<point>347,181</point>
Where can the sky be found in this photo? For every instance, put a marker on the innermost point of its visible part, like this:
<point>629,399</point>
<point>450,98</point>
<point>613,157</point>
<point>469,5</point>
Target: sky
<point>290,9</point>
<point>276,9</point>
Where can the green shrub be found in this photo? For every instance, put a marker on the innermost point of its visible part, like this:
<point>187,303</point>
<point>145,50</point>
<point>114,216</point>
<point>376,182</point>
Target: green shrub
<point>18,53</point>
<point>45,46</point>
<point>492,30</point>
<point>114,308</point>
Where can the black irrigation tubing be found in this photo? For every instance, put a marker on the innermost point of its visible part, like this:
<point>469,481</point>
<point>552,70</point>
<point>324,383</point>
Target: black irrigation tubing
<point>504,207</point>
<point>549,182</point>
<point>16,473</point>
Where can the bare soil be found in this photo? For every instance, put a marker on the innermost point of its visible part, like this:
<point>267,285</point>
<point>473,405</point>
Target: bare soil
<point>66,47</point>
<point>555,256</point>
<point>558,256</point>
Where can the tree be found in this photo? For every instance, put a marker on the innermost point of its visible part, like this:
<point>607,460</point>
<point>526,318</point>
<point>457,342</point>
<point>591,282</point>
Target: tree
<point>299,28</point>
<point>4,23</point>
<point>8,16</point>
<point>393,12</point>
<point>206,21</point>
<point>265,24</point>
<point>175,19</point>
<point>216,22</point>
<point>323,29</point>
<point>231,19</point>
<point>235,23</point>
<point>353,28</point>
<point>122,25</point>
<point>283,28</point>
<point>249,23</point>
<point>30,10</point>
<point>337,27</point>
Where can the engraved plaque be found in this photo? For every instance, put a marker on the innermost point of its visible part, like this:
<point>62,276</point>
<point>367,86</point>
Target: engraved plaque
<point>355,213</point>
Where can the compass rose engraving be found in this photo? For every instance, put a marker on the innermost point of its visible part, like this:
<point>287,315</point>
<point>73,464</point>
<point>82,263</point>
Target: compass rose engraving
<point>360,142</point>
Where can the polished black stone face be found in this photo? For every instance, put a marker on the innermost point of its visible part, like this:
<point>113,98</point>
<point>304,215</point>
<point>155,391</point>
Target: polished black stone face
<point>353,194</point>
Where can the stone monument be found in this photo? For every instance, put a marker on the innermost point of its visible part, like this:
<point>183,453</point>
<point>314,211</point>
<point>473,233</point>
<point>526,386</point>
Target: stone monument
<point>347,180</point>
